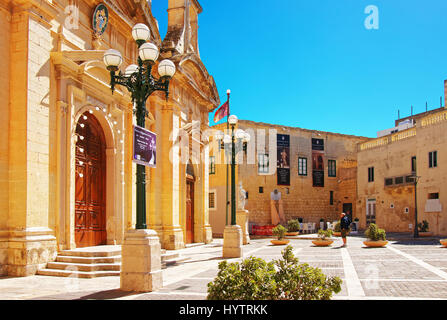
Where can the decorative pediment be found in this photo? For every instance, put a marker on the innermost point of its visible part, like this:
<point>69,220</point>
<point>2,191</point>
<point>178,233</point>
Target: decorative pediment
<point>192,68</point>
<point>136,11</point>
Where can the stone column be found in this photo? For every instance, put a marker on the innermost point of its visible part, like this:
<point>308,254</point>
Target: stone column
<point>141,261</point>
<point>168,162</point>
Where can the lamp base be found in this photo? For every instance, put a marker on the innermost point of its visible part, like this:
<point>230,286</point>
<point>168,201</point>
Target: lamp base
<point>141,261</point>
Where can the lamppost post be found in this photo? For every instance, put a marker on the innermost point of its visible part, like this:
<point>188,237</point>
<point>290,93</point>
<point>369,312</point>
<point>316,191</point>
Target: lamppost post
<point>416,231</point>
<point>233,241</point>
<point>233,178</point>
<point>141,84</point>
<point>141,248</point>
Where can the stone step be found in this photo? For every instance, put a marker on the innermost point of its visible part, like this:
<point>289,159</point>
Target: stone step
<point>77,274</point>
<point>88,260</point>
<point>86,252</point>
<point>169,255</point>
<point>84,267</point>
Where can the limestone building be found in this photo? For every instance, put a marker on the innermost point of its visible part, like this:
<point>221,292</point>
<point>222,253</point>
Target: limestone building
<point>387,167</point>
<point>315,172</point>
<point>67,178</point>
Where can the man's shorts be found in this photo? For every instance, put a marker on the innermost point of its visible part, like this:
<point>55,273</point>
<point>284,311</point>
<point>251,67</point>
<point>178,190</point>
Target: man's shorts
<point>344,233</point>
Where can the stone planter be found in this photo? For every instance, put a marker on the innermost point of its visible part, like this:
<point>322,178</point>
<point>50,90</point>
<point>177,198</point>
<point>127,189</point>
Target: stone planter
<point>425,234</point>
<point>375,244</point>
<point>279,242</point>
<point>338,234</point>
<point>443,242</point>
<point>295,233</point>
<point>322,243</point>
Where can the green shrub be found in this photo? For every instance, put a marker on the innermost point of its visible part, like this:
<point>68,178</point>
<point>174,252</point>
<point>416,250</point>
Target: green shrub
<point>279,231</point>
<point>337,227</point>
<point>323,234</point>
<point>374,233</point>
<point>423,227</point>
<point>293,225</point>
<point>284,279</point>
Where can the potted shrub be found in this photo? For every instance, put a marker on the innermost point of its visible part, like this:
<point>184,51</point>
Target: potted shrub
<point>337,230</point>
<point>423,229</point>
<point>293,228</point>
<point>376,236</point>
<point>283,279</point>
<point>279,231</point>
<point>324,238</point>
<point>443,242</point>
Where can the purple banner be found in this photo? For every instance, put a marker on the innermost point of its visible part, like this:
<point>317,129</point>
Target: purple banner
<point>144,147</point>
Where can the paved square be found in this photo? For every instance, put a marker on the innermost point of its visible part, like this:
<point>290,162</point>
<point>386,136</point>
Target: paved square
<point>402,270</point>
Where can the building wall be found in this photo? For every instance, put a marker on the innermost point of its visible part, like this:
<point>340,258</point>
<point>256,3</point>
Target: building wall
<point>5,56</point>
<point>391,157</point>
<point>300,199</point>
<point>55,75</point>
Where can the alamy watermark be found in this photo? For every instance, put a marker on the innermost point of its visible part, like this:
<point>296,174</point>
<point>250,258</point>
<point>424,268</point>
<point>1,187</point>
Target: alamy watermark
<point>372,20</point>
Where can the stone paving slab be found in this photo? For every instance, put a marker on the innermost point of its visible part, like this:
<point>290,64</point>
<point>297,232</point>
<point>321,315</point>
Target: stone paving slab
<point>413,270</point>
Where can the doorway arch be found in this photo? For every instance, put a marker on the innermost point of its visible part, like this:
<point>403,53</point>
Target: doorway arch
<point>90,182</point>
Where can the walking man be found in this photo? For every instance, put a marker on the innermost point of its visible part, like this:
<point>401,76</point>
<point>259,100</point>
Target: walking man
<point>344,226</point>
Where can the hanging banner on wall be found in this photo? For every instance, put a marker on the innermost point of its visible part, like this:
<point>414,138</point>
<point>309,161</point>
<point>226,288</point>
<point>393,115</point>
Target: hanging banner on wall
<point>144,147</point>
<point>283,159</point>
<point>318,162</point>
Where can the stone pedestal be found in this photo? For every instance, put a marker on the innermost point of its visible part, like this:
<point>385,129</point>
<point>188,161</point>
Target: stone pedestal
<point>232,247</point>
<point>141,261</point>
<point>28,250</point>
<point>242,221</point>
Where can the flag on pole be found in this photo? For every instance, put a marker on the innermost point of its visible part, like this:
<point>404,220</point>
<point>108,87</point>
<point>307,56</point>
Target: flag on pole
<point>222,112</point>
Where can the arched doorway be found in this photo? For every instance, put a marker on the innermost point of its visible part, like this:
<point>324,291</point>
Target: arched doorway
<point>189,225</point>
<point>90,191</point>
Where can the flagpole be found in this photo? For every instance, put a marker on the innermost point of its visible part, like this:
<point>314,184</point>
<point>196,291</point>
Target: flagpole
<point>228,114</point>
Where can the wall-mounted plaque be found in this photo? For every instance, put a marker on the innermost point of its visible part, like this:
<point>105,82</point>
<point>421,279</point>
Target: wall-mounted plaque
<point>283,159</point>
<point>100,19</point>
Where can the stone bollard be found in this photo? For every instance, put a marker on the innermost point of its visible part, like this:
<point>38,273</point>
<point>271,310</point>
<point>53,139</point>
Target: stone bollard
<point>141,261</point>
<point>232,247</point>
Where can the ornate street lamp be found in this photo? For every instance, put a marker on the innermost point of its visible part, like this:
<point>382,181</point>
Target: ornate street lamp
<point>416,180</point>
<point>238,142</point>
<point>141,84</point>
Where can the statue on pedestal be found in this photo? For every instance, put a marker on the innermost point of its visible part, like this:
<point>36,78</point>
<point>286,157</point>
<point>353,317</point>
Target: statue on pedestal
<point>242,197</point>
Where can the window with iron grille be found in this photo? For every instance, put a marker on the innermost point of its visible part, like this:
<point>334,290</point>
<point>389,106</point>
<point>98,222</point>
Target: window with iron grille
<point>212,200</point>
<point>433,159</point>
<point>332,168</point>
<point>212,165</point>
<point>263,163</point>
<point>399,180</point>
<point>302,166</point>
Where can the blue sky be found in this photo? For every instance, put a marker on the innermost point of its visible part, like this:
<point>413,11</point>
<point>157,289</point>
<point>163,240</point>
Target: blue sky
<point>313,64</point>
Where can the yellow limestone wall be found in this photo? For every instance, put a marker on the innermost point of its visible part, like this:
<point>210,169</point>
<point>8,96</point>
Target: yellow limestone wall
<point>5,25</point>
<point>391,157</point>
<point>53,73</point>
<point>303,200</point>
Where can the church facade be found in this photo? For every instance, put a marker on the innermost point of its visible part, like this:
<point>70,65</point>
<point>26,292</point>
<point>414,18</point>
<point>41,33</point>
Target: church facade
<point>66,170</point>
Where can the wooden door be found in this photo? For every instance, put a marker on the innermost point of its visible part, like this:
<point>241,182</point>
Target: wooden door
<point>90,209</point>
<point>189,211</point>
